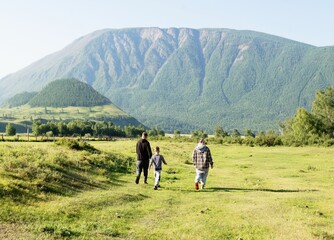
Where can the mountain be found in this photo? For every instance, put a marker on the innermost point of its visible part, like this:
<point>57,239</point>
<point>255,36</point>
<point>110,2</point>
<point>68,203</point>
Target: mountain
<point>19,99</point>
<point>68,92</point>
<point>65,100</point>
<point>186,79</point>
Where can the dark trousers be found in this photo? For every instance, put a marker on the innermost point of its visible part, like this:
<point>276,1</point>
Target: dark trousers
<point>142,165</point>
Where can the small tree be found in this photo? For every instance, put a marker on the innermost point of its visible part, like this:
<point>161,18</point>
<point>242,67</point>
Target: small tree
<point>36,127</point>
<point>156,132</point>
<point>177,133</point>
<point>219,132</point>
<point>323,109</point>
<point>199,134</point>
<point>235,133</point>
<point>301,127</point>
<point>10,130</point>
<point>249,133</point>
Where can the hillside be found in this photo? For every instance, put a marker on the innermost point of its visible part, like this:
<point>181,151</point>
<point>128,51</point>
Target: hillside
<point>68,92</point>
<point>19,99</point>
<point>187,78</point>
<point>62,100</point>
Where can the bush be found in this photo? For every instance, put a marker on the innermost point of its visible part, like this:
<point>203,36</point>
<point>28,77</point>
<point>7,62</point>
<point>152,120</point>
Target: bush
<point>10,130</point>
<point>77,145</point>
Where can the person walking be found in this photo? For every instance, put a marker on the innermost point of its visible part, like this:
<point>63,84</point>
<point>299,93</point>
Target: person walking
<point>144,153</point>
<point>202,161</point>
<point>157,160</point>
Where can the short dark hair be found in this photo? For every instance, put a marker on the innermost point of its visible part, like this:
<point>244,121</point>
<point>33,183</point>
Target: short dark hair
<point>145,134</point>
<point>157,149</point>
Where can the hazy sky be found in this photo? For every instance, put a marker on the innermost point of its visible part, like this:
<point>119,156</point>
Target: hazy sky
<point>32,29</point>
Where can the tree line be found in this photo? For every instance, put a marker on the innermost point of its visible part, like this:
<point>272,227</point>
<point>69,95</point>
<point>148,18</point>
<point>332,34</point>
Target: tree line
<point>304,128</point>
<point>85,128</point>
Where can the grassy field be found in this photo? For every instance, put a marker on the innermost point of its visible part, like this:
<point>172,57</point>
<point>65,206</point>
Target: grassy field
<point>252,193</point>
<point>26,112</point>
<point>22,116</point>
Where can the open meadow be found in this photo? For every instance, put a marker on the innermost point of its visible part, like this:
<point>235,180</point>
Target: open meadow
<point>50,191</point>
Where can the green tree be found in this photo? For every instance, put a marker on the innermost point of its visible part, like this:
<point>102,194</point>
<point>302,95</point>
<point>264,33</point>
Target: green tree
<point>235,133</point>
<point>219,132</point>
<point>132,131</point>
<point>62,128</point>
<point>199,134</point>
<point>269,139</point>
<point>249,133</point>
<point>304,126</point>
<point>177,133</point>
<point>156,132</point>
<point>323,109</point>
<point>36,128</point>
<point>10,130</point>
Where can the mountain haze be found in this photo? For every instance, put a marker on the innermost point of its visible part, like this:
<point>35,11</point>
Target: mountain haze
<point>189,78</point>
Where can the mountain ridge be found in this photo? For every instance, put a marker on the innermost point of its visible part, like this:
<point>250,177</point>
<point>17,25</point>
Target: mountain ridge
<point>189,78</point>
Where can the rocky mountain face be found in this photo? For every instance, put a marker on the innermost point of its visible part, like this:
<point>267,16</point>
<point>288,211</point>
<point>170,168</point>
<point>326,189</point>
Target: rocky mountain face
<point>189,79</point>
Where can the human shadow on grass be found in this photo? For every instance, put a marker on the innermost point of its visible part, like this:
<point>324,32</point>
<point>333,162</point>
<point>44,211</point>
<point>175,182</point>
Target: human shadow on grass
<point>227,189</point>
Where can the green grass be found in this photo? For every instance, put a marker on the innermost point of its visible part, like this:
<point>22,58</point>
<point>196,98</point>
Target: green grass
<point>252,193</point>
<point>26,112</point>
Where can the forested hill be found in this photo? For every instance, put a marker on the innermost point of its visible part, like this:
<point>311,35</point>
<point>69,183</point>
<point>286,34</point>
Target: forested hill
<point>179,78</point>
<point>68,92</point>
<point>19,99</point>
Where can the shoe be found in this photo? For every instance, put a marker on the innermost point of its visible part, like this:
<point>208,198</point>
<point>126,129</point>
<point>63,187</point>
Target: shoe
<point>145,182</point>
<point>137,180</point>
<point>196,185</point>
<point>155,187</point>
<point>202,186</point>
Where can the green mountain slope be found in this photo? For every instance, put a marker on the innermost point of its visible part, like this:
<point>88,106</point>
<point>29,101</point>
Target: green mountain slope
<point>68,92</point>
<point>187,78</point>
<point>19,99</point>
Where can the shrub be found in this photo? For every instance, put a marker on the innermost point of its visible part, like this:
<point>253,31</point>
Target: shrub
<point>77,145</point>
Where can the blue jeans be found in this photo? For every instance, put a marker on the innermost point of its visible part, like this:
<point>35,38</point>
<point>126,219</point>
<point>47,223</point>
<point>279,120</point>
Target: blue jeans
<point>157,175</point>
<point>201,175</point>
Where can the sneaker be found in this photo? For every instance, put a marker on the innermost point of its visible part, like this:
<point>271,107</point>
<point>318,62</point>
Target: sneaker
<point>145,182</point>
<point>196,185</point>
<point>137,180</point>
<point>155,187</point>
<point>202,186</point>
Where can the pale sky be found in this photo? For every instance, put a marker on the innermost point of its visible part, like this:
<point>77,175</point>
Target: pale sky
<point>32,29</point>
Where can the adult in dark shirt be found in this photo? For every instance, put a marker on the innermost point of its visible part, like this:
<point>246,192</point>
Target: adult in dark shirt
<point>144,154</point>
